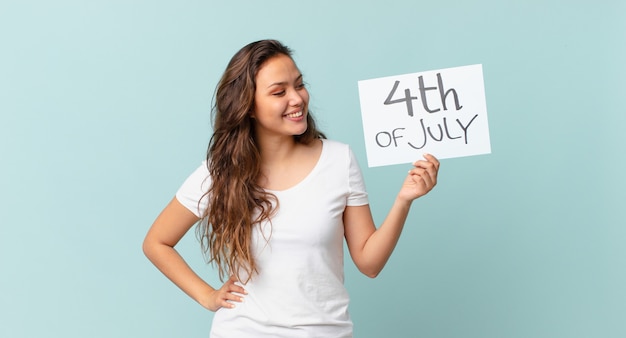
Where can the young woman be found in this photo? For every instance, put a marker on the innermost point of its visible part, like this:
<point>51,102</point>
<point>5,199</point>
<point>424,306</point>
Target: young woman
<point>275,199</point>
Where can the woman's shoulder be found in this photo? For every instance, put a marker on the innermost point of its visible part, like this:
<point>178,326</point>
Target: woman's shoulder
<point>335,148</point>
<point>334,144</point>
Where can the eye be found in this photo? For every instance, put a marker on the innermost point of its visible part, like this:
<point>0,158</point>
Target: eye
<point>301,85</point>
<point>280,93</point>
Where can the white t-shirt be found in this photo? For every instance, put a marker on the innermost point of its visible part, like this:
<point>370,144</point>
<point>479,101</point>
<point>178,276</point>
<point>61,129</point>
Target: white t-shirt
<point>299,289</point>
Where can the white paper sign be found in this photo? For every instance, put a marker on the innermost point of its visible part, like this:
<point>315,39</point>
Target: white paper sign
<point>440,112</point>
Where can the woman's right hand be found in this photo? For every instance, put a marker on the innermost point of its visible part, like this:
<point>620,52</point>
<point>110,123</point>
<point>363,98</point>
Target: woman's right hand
<point>225,296</point>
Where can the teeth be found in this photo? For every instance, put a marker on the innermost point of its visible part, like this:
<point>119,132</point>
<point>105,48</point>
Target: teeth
<point>296,114</point>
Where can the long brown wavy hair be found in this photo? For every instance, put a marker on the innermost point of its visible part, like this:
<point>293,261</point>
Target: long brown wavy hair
<point>236,201</point>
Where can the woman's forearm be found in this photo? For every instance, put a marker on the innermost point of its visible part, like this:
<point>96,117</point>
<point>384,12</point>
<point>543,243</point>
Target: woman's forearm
<point>381,243</point>
<point>174,267</point>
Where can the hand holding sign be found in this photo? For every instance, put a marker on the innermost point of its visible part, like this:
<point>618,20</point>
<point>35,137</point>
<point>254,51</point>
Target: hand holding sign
<point>441,112</point>
<point>421,179</point>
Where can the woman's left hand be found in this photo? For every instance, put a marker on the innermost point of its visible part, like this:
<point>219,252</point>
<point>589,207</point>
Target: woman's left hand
<point>421,179</point>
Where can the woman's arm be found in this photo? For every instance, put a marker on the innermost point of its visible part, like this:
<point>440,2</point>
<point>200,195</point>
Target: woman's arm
<point>369,247</point>
<point>169,227</point>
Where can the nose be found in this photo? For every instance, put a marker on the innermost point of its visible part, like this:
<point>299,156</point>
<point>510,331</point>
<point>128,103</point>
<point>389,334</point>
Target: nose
<point>296,99</point>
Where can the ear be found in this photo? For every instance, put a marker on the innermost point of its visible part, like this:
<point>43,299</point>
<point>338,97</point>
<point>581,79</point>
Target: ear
<point>251,114</point>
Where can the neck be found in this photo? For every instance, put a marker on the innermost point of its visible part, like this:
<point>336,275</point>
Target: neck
<point>276,150</point>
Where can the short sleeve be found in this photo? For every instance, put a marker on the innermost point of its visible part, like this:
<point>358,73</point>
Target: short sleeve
<point>192,193</point>
<point>358,193</point>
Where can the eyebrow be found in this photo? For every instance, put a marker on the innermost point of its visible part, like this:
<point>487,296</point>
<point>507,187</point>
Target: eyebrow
<point>284,82</point>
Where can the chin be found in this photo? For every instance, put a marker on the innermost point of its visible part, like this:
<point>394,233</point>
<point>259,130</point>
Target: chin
<point>301,130</point>
<point>300,133</point>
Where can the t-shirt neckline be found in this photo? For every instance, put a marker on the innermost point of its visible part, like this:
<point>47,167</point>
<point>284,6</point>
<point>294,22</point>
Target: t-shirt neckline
<point>308,176</point>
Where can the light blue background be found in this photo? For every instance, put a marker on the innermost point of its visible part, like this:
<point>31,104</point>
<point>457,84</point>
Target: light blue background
<point>104,110</point>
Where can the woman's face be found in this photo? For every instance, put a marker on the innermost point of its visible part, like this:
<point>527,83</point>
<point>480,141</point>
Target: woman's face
<point>281,99</point>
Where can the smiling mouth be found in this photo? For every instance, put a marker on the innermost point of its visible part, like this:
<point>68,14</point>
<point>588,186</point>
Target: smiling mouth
<point>294,115</point>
